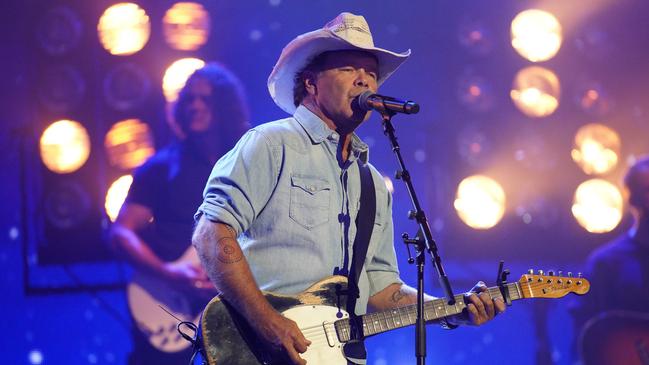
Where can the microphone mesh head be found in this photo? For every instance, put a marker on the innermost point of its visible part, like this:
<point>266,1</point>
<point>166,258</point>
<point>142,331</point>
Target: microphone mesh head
<point>362,100</point>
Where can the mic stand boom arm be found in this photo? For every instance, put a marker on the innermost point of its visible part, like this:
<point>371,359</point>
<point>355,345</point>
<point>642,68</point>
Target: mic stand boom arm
<point>423,244</point>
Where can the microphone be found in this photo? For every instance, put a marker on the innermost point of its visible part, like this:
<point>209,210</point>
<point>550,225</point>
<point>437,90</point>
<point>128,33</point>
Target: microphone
<point>380,103</point>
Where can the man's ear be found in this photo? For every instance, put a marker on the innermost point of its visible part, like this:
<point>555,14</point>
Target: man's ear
<point>310,83</point>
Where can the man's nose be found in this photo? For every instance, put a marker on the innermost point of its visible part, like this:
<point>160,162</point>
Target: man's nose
<point>362,78</point>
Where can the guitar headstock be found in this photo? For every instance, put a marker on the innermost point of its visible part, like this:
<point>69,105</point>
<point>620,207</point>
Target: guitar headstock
<point>551,286</point>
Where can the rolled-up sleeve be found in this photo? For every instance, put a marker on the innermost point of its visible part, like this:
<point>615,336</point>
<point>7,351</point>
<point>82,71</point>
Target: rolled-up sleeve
<point>241,183</point>
<point>382,270</point>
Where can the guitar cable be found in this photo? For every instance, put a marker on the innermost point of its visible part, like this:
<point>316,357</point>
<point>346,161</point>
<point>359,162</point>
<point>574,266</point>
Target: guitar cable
<point>193,338</point>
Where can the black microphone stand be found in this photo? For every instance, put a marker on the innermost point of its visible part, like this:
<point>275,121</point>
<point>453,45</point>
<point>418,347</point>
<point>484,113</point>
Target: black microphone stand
<point>423,242</point>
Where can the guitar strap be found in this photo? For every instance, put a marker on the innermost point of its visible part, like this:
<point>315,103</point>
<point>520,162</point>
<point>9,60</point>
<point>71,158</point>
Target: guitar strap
<point>355,349</point>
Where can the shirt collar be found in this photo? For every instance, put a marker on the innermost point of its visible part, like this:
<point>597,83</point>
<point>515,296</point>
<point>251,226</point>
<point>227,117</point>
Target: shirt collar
<point>318,131</point>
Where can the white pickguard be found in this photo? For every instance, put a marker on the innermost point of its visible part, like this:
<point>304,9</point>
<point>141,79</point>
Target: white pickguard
<point>317,324</point>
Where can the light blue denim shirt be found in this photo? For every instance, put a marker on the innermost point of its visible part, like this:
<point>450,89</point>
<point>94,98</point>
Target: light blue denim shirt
<point>294,207</point>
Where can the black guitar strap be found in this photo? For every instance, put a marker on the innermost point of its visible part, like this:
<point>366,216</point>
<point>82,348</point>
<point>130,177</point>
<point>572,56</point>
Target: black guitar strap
<point>364,225</point>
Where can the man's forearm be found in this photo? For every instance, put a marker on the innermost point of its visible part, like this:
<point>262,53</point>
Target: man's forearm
<point>394,296</point>
<point>227,267</point>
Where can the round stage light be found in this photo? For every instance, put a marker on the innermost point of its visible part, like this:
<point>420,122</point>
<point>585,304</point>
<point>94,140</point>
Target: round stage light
<point>596,149</point>
<point>480,202</point>
<point>126,86</point>
<point>176,76</point>
<point>129,143</point>
<point>67,204</point>
<point>536,35</point>
<point>475,36</point>
<point>597,206</point>
<point>536,91</point>
<point>64,146</point>
<point>60,30</point>
<point>475,92</point>
<point>116,195</point>
<point>124,29</point>
<point>186,26</point>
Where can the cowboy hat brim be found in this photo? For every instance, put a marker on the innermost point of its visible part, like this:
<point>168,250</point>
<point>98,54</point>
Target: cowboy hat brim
<point>301,50</point>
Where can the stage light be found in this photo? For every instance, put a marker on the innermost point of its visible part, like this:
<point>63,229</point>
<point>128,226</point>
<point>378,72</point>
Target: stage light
<point>473,145</point>
<point>535,91</point>
<point>67,205</point>
<point>536,35</point>
<point>61,88</point>
<point>124,29</point>
<point>596,149</point>
<point>475,36</point>
<point>597,206</point>
<point>116,195</point>
<point>475,92</point>
<point>186,26</point>
<point>60,31</point>
<point>480,202</point>
<point>593,98</point>
<point>176,76</point>
<point>129,143</point>
<point>126,86</point>
<point>64,146</point>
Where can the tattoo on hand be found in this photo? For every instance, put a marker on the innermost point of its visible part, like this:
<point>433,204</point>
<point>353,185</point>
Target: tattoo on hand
<point>397,296</point>
<point>228,252</point>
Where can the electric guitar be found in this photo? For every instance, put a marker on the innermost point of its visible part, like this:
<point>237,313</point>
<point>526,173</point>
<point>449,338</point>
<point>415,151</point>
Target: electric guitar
<point>616,337</point>
<point>228,338</point>
<point>148,293</point>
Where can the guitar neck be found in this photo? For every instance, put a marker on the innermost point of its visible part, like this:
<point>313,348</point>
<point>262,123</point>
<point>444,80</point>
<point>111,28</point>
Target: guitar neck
<point>379,322</point>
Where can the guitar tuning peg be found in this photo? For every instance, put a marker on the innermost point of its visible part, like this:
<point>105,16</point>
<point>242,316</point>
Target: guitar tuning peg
<point>569,274</point>
<point>530,271</point>
<point>551,273</point>
<point>579,275</point>
<point>560,273</point>
<point>540,272</point>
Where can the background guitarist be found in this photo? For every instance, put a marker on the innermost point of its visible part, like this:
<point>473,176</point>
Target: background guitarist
<point>155,223</point>
<point>279,210</point>
<point>619,270</point>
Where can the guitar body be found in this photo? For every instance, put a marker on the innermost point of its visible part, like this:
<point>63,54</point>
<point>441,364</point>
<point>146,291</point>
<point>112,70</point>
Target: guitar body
<point>228,338</point>
<point>616,337</point>
<point>146,293</point>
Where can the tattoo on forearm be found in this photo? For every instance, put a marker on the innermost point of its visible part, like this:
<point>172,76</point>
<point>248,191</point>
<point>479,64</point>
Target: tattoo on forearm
<point>397,296</point>
<point>227,251</point>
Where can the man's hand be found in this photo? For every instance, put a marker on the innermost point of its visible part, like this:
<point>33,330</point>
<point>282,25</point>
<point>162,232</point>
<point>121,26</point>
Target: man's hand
<point>189,278</point>
<point>283,333</point>
<point>480,307</point>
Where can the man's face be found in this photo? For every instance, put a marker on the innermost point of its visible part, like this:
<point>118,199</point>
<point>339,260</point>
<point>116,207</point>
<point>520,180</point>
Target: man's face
<point>197,109</point>
<point>344,75</point>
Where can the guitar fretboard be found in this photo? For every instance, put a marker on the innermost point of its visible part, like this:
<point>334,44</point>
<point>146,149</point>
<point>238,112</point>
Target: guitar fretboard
<point>379,322</point>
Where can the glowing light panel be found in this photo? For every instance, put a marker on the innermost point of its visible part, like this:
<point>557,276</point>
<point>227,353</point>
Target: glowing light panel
<point>124,29</point>
<point>116,195</point>
<point>480,202</point>
<point>596,149</point>
<point>536,35</point>
<point>535,91</point>
<point>176,76</point>
<point>64,146</point>
<point>597,206</point>
<point>129,143</point>
<point>186,26</point>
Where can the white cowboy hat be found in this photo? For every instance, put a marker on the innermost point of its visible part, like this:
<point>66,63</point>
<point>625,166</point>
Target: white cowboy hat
<point>346,32</point>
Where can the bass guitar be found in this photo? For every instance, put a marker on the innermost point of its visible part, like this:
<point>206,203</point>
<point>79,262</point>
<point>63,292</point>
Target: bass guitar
<point>228,338</point>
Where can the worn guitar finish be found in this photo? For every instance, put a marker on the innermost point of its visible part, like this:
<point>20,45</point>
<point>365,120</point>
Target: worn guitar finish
<point>229,339</point>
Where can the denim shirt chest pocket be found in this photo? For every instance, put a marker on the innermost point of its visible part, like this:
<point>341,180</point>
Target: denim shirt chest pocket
<point>309,205</point>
